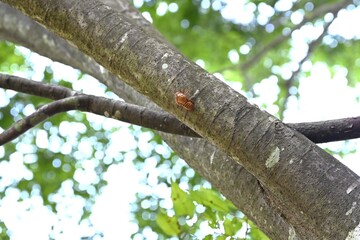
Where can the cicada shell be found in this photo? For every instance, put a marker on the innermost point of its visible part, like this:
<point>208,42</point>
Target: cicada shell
<point>182,100</point>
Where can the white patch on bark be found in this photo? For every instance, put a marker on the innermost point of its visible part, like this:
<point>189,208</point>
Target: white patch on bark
<point>102,69</point>
<point>124,38</point>
<point>195,94</point>
<point>273,158</point>
<point>212,157</point>
<point>354,234</point>
<point>292,234</point>
<point>353,186</point>
<point>351,209</point>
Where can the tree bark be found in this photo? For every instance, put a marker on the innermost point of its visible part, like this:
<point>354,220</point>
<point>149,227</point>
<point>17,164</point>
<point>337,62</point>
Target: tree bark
<point>195,152</point>
<point>314,193</point>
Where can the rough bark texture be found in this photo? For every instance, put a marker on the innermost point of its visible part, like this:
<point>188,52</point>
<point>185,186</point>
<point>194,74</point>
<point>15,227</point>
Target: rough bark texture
<point>245,192</point>
<point>315,193</point>
<point>194,152</point>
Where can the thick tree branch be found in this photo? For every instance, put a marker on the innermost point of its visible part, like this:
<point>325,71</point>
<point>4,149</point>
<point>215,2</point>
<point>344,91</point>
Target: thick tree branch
<point>54,47</point>
<point>326,196</point>
<point>318,132</point>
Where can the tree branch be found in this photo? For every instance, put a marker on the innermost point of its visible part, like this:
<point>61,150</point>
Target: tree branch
<point>329,131</point>
<point>328,189</point>
<point>318,132</point>
<point>37,117</point>
<point>290,82</point>
<point>204,157</point>
<point>325,8</point>
<point>71,100</point>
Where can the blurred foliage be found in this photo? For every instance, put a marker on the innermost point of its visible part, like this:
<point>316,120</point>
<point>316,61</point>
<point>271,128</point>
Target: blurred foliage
<point>10,59</point>
<point>261,48</point>
<point>209,208</point>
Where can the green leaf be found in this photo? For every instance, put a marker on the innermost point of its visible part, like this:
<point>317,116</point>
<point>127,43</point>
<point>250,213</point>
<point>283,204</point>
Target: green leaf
<point>221,237</point>
<point>210,215</point>
<point>208,237</point>
<point>211,199</point>
<point>237,224</point>
<point>229,227</point>
<point>183,203</point>
<point>168,224</point>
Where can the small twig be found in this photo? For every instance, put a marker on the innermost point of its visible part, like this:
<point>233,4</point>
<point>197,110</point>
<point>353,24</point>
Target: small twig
<point>289,83</point>
<point>311,48</point>
<point>326,8</point>
<point>318,132</point>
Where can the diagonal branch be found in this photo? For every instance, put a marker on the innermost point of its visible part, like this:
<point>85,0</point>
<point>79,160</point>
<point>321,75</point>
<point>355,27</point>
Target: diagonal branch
<point>312,46</point>
<point>37,117</point>
<point>318,132</point>
<point>301,226</point>
<point>204,157</point>
<point>325,8</point>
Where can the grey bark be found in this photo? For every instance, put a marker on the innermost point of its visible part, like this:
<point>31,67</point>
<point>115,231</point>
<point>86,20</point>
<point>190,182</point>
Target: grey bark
<point>315,194</point>
<point>196,152</point>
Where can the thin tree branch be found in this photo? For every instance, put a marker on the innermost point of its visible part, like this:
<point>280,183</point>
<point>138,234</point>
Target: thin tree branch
<point>311,49</point>
<point>71,100</point>
<point>326,8</point>
<point>329,131</point>
<point>318,132</point>
<point>289,83</point>
<point>37,117</point>
<point>101,106</point>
